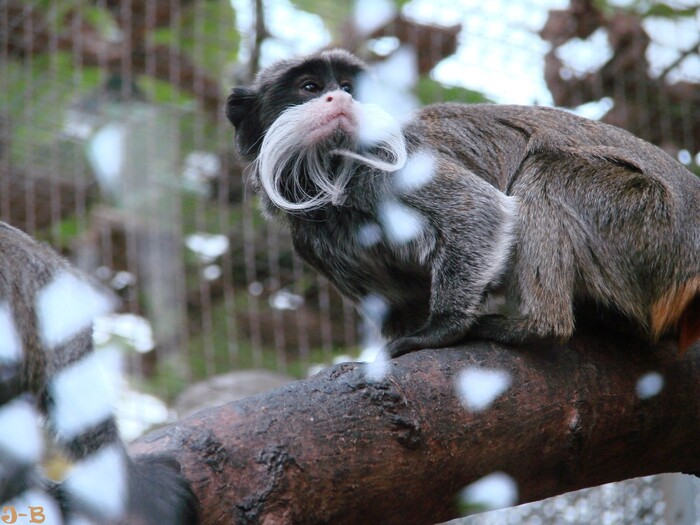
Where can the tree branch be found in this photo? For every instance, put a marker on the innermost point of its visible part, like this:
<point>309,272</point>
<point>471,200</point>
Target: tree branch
<point>694,49</point>
<point>340,448</point>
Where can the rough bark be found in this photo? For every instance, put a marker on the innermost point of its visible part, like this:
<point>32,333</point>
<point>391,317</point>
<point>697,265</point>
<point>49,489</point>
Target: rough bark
<point>341,448</point>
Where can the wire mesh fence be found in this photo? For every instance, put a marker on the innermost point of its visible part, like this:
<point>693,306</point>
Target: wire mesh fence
<point>114,149</point>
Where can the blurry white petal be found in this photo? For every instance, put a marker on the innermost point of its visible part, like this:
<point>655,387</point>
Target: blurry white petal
<point>369,234</point>
<point>100,481</point>
<point>378,369</point>
<point>374,308</point>
<point>371,15</point>
<point>133,329</point>
<point>66,306</point>
<point>650,385</point>
<point>495,491</point>
<point>207,246</point>
<point>400,70</point>
<point>479,387</point>
<point>418,171</point>
<point>83,394</point>
<point>401,223</point>
<point>10,344</point>
<point>137,412</point>
<point>20,435</point>
<point>375,125</point>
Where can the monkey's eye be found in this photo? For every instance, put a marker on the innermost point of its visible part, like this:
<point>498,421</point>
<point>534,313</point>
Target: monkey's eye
<point>311,87</point>
<point>347,87</point>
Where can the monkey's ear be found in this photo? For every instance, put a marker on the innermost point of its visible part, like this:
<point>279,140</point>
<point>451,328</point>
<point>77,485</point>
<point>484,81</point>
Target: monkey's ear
<point>239,103</point>
<point>242,109</point>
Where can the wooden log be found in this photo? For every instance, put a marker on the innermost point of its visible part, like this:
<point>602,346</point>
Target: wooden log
<point>343,447</point>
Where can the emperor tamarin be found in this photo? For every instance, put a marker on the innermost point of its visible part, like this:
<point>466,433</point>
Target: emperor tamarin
<point>431,216</point>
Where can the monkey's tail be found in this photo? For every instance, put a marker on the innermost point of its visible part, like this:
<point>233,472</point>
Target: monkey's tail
<point>102,484</point>
<point>689,326</point>
<point>679,310</point>
<point>48,368</point>
<point>78,405</point>
<point>85,449</point>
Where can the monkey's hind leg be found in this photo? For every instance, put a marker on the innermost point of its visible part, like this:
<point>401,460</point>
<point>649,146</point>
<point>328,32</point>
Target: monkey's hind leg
<point>542,279</point>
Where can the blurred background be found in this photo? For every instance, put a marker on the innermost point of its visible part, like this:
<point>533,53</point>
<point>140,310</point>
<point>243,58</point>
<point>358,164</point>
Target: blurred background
<point>114,149</point>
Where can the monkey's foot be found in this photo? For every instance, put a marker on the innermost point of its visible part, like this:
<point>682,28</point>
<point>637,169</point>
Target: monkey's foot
<point>436,334</point>
<point>404,345</point>
<point>510,331</point>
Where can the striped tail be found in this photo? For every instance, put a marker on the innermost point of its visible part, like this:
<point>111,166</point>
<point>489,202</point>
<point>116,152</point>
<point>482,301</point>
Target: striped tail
<point>48,369</point>
<point>49,372</point>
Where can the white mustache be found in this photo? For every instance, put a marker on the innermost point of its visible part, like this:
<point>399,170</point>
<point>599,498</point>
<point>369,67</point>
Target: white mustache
<point>286,155</point>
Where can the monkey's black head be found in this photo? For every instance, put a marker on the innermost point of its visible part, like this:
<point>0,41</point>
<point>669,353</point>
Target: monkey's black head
<point>307,134</point>
<point>285,84</point>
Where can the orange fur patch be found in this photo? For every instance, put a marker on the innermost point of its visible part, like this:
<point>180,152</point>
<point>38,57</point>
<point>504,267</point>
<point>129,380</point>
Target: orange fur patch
<point>673,307</point>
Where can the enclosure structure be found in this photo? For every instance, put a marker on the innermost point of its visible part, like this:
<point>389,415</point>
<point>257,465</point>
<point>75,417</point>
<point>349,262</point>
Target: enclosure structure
<point>114,148</point>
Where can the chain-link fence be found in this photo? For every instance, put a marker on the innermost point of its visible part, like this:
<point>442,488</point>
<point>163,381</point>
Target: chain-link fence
<point>114,148</point>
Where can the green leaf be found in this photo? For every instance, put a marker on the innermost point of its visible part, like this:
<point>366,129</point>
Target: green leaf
<point>338,11</point>
<point>646,8</point>
<point>430,91</point>
<point>333,14</point>
<point>666,11</point>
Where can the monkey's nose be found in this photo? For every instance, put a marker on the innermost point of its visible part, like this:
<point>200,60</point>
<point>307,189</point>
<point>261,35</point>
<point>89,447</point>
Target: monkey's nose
<point>338,96</point>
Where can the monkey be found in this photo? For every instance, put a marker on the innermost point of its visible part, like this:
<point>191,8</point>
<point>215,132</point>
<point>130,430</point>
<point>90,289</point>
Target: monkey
<point>423,222</point>
<point>47,370</point>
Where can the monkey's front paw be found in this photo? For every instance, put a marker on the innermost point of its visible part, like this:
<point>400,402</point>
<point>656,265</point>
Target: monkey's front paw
<point>488,327</point>
<point>403,345</point>
<point>440,332</point>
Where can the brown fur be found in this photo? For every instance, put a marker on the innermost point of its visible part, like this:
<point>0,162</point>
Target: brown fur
<point>667,311</point>
<point>689,326</point>
<point>678,309</point>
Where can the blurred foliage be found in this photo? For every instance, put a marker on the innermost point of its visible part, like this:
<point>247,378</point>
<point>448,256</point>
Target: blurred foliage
<point>645,8</point>
<point>51,83</point>
<point>161,92</point>
<point>666,11</point>
<point>207,32</point>
<point>334,19</point>
<point>430,91</point>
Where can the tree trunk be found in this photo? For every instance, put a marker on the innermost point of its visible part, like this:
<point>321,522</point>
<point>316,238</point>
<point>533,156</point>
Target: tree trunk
<point>344,448</point>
